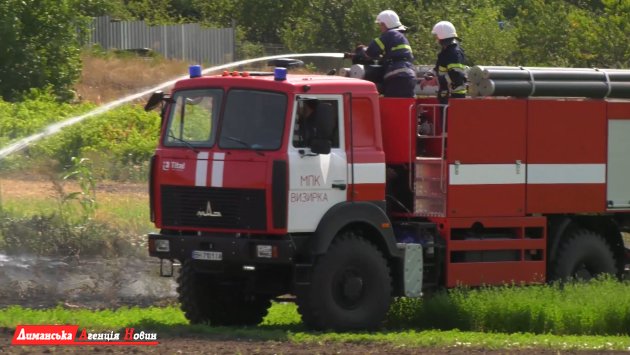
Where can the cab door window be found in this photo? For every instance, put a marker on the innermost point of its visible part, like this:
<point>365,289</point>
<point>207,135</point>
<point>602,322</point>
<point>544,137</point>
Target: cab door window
<point>306,126</point>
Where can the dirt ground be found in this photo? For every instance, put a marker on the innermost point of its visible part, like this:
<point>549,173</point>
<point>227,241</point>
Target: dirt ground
<point>209,345</point>
<point>38,186</point>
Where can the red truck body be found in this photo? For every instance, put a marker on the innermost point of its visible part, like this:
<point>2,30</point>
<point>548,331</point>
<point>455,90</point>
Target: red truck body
<point>494,190</point>
<point>509,163</point>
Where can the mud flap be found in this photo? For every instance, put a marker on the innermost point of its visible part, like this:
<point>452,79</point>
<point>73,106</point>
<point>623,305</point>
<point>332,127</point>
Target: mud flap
<point>302,275</point>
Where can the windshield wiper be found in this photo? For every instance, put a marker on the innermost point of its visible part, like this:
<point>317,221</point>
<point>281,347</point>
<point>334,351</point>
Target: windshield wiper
<point>187,144</point>
<point>242,142</point>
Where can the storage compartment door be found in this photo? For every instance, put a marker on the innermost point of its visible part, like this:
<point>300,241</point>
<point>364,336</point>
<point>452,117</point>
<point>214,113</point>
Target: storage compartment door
<point>618,174</point>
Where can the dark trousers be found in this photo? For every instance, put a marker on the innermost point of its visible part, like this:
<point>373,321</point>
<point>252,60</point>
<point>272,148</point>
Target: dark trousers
<point>399,87</point>
<point>443,100</point>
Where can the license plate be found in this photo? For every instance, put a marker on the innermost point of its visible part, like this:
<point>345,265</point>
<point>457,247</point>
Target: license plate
<point>207,255</point>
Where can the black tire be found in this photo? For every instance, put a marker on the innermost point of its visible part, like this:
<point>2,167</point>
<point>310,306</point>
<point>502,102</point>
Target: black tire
<point>583,256</point>
<point>350,287</point>
<point>204,301</point>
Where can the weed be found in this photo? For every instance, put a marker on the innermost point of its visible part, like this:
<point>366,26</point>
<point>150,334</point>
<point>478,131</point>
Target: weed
<point>81,171</point>
<point>61,232</point>
<point>47,235</point>
<point>596,308</point>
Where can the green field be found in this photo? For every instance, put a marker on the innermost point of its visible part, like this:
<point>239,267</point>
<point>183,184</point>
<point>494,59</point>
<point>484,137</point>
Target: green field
<point>41,215</point>
<point>130,214</point>
<point>283,324</point>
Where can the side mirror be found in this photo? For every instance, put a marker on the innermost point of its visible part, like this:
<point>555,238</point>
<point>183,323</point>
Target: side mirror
<point>154,100</point>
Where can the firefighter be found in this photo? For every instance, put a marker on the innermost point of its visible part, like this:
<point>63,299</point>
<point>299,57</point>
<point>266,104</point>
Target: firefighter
<point>450,67</point>
<point>393,48</point>
<point>304,124</point>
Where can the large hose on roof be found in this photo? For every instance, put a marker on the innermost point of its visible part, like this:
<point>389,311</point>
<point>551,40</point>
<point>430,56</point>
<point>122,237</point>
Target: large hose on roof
<point>553,82</point>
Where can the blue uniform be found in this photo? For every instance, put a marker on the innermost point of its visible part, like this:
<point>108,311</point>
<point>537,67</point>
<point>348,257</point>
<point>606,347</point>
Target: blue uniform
<point>400,76</point>
<point>451,72</point>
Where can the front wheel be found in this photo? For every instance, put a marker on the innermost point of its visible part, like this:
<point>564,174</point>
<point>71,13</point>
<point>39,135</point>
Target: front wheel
<point>205,300</point>
<point>350,287</point>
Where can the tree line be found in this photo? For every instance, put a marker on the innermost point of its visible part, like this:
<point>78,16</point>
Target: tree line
<point>40,44</point>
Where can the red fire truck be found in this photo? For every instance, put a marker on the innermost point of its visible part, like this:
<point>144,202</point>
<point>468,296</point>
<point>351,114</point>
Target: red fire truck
<point>314,186</point>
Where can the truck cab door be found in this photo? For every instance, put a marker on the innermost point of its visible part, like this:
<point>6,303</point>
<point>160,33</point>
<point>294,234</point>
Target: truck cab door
<point>317,181</point>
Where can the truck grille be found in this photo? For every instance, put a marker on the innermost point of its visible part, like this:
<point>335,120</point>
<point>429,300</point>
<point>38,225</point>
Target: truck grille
<point>208,207</point>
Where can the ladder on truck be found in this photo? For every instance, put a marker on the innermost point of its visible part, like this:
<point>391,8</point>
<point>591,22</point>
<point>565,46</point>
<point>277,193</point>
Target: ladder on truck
<point>429,174</point>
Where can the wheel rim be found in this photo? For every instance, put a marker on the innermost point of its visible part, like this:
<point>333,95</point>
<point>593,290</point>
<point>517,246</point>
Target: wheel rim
<point>349,287</point>
<point>583,272</point>
<point>587,269</point>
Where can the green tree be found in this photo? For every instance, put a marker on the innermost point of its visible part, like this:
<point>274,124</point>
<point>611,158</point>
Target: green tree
<point>594,5</point>
<point>94,8</point>
<point>543,33</point>
<point>152,11</point>
<point>490,40</point>
<point>219,13</point>
<point>262,20</point>
<point>39,46</point>
<point>583,42</point>
<point>610,41</point>
<point>339,25</point>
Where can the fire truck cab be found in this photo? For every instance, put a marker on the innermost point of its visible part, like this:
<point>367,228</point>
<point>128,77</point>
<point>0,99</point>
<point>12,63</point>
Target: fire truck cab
<point>314,186</point>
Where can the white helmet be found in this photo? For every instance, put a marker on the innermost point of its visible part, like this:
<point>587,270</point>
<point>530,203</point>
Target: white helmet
<point>390,19</point>
<point>444,29</point>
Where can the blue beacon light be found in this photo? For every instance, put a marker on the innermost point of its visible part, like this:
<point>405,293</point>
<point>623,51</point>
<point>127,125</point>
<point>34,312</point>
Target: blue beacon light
<point>280,74</point>
<point>194,71</point>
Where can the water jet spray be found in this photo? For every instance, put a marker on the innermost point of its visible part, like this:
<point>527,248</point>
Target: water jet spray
<point>56,127</point>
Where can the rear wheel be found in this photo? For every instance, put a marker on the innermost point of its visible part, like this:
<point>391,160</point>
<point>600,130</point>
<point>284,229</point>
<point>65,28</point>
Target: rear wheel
<point>204,300</point>
<point>350,287</point>
<point>583,256</point>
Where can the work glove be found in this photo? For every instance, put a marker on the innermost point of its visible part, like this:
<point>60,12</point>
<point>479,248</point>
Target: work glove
<point>428,81</point>
<point>359,56</point>
<point>359,51</point>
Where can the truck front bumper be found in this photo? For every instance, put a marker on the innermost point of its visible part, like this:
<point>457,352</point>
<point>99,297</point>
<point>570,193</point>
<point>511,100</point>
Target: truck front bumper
<point>222,248</point>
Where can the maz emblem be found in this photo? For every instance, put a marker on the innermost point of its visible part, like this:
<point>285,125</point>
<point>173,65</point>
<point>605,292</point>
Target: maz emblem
<point>208,212</point>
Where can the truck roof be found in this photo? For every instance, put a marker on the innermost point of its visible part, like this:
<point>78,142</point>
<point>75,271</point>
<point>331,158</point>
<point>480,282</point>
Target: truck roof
<point>301,84</point>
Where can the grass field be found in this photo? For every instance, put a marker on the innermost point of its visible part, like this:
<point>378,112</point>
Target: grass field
<point>283,324</point>
<point>124,206</point>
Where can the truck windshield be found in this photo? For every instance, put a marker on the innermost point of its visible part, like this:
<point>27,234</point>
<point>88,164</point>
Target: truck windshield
<point>253,120</point>
<point>193,118</point>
